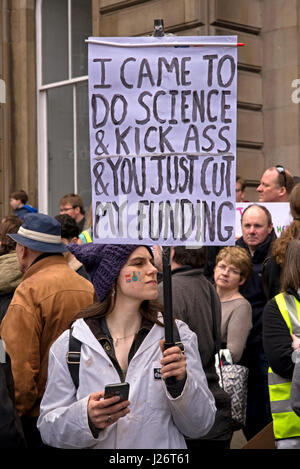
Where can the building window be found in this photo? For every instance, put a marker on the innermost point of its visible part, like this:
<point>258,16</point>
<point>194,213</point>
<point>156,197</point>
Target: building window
<point>62,79</point>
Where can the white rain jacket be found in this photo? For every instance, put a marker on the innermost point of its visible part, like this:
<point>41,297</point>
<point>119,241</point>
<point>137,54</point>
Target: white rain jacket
<point>156,420</point>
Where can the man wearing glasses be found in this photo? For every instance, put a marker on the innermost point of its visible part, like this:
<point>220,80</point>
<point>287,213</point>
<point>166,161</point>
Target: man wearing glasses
<point>275,185</point>
<point>72,205</point>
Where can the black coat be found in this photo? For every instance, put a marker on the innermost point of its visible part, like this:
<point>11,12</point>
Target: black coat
<point>277,339</point>
<point>4,304</point>
<point>11,432</point>
<point>271,277</point>
<point>253,289</point>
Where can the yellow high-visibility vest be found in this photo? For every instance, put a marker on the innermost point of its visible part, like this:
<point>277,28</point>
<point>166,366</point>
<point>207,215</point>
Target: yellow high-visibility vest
<point>85,236</point>
<point>286,423</point>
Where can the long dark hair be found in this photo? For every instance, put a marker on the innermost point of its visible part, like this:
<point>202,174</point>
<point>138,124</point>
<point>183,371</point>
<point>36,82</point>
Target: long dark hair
<point>291,270</point>
<point>148,308</point>
<point>292,232</point>
<point>9,224</point>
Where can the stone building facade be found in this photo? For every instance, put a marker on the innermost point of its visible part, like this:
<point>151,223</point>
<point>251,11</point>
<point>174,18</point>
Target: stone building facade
<point>268,70</point>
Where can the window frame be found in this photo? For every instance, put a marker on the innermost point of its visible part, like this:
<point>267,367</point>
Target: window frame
<point>42,134</point>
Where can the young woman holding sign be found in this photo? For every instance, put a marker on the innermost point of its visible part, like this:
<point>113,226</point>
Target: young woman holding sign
<point>122,339</point>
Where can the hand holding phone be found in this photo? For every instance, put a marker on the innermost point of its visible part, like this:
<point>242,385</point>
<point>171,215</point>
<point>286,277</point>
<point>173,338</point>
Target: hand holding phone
<point>117,389</point>
<point>102,412</point>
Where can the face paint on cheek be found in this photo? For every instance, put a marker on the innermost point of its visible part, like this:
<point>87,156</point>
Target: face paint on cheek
<point>135,277</point>
<point>127,278</point>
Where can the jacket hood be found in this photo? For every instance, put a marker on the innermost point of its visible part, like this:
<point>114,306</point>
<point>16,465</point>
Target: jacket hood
<point>293,292</point>
<point>10,275</point>
<point>82,332</point>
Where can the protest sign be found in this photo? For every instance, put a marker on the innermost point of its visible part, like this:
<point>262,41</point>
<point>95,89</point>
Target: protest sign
<point>280,213</point>
<point>163,139</point>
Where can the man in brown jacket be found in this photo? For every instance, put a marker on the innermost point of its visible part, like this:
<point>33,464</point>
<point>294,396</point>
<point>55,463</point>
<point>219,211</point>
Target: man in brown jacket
<point>43,306</point>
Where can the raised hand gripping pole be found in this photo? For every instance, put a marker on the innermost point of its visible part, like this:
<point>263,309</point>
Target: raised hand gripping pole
<point>168,308</point>
<point>167,291</point>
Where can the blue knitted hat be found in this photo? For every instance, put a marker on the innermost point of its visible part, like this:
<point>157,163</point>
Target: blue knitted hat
<point>40,232</point>
<point>103,262</point>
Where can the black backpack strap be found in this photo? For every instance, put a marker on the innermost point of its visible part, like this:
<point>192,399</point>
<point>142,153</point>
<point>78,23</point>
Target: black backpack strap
<point>73,358</point>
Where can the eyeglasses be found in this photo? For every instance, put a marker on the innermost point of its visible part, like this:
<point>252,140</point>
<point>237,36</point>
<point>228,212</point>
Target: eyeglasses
<point>281,170</point>
<point>66,209</point>
<point>224,267</point>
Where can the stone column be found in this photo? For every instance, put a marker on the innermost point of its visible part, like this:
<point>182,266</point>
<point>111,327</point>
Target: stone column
<point>5,108</point>
<point>23,151</point>
<point>281,83</point>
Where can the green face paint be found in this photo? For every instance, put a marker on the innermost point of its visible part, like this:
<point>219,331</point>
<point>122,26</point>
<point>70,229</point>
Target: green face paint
<point>134,277</point>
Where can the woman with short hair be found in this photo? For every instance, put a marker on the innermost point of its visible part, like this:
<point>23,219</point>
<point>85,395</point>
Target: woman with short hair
<point>233,268</point>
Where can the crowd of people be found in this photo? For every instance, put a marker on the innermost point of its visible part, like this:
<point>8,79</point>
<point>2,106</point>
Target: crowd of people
<point>76,316</point>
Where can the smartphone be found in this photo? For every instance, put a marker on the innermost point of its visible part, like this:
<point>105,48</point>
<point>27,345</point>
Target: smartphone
<point>117,389</point>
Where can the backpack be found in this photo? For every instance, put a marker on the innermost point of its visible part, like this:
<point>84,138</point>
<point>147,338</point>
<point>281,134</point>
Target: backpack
<point>73,355</point>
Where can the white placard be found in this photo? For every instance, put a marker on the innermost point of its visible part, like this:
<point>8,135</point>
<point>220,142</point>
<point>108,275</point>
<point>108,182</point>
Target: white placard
<point>280,213</point>
<point>163,139</point>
